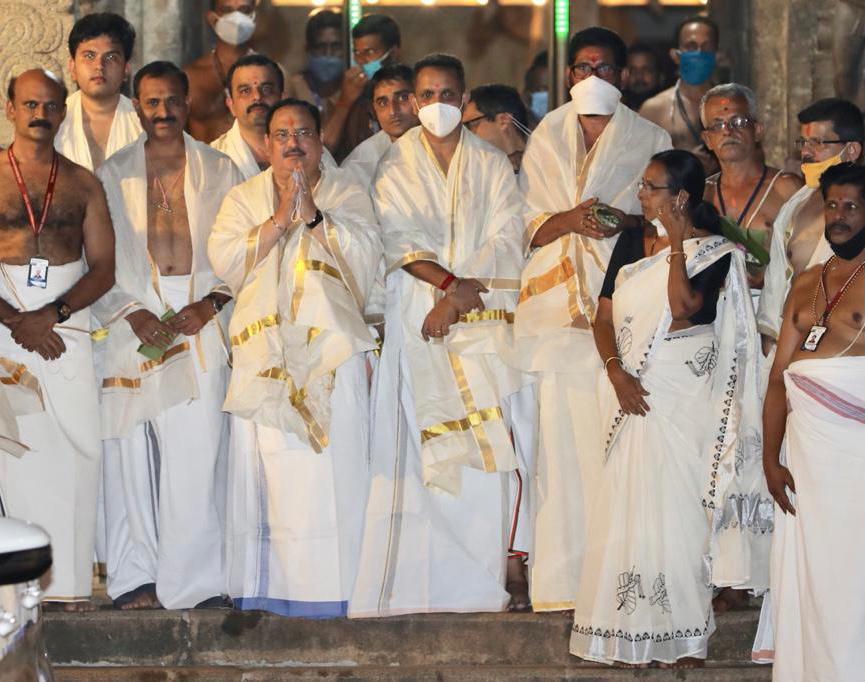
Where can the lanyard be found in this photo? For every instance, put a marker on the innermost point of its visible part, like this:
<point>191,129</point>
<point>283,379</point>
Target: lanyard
<point>22,189</point>
<point>830,305</point>
<point>695,132</point>
<point>750,199</point>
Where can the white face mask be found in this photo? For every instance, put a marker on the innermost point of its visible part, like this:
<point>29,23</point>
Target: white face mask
<point>659,226</point>
<point>594,96</point>
<point>235,28</point>
<point>440,119</point>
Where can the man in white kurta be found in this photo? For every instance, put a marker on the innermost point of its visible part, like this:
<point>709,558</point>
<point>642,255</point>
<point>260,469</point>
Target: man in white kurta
<point>299,247</point>
<point>166,437</point>
<point>438,520</point>
<point>592,148</point>
<point>45,348</point>
<point>814,426</point>
<point>99,119</point>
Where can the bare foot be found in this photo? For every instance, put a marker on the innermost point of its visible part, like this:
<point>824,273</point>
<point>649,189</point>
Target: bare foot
<point>83,606</point>
<point>730,599</point>
<point>142,597</point>
<point>518,586</point>
<point>685,662</point>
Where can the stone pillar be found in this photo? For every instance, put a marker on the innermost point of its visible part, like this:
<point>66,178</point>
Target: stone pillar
<point>32,34</point>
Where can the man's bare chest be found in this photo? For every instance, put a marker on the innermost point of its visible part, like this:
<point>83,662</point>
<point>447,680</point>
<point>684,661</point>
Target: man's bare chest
<point>67,210</point>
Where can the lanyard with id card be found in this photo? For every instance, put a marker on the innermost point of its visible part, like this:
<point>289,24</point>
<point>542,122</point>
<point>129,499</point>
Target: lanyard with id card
<point>37,274</point>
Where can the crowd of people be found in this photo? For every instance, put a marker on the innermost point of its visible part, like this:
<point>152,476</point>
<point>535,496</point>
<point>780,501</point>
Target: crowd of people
<point>601,358</point>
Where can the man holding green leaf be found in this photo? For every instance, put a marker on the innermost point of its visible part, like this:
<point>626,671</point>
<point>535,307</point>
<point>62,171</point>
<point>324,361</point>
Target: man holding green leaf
<point>746,191</point>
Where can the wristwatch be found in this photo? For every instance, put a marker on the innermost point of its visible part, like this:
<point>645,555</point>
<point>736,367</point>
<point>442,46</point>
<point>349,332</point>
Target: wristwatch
<point>64,311</point>
<point>217,304</point>
<point>315,221</point>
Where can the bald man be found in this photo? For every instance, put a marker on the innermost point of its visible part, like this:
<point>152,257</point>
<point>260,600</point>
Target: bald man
<point>56,257</point>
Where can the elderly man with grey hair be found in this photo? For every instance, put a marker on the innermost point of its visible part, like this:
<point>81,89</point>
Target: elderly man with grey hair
<point>746,189</point>
<point>751,193</point>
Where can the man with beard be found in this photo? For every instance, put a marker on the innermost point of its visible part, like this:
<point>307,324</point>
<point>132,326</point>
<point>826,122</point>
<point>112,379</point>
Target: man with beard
<point>165,359</point>
<point>831,132</point>
<point>644,75</point>
<point>255,83</point>
<point>589,151</point>
<point>233,23</point>
<point>298,244</point>
<point>677,109</point>
<point>57,258</point>
<point>99,120</point>
<point>815,406</point>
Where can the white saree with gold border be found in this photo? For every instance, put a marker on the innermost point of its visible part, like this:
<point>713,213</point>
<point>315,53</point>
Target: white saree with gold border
<point>558,296</point>
<point>437,522</point>
<point>681,487</point>
<point>299,472</point>
<point>166,436</point>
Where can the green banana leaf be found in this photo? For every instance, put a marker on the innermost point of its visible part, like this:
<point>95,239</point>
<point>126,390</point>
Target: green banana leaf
<point>734,232</point>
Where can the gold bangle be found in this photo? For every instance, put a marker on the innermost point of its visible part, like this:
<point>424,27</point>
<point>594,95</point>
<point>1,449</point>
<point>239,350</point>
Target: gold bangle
<point>278,227</point>
<point>610,359</point>
<point>676,253</point>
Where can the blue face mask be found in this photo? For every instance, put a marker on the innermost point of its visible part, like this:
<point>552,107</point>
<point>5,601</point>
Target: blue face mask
<point>540,103</point>
<point>696,67</point>
<point>371,68</point>
<point>325,68</point>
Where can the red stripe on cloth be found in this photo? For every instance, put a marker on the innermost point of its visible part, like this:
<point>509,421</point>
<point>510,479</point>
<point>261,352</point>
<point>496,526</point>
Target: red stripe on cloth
<point>832,401</point>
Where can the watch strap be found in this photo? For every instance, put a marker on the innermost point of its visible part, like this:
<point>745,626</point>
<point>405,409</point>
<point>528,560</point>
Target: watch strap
<point>316,220</point>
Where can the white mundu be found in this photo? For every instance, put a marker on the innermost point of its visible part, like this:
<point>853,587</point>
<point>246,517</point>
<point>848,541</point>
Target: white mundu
<point>776,281</point>
<point>364,159</point>
<point>71,140</point>
<point>299,466</point>
<point>558,296</point>
<point>661,514</point>
<point>438,519</point>
<point>166,437</point>
<point>63,439</point>
<point>818,600</point>
<point>232,144</point>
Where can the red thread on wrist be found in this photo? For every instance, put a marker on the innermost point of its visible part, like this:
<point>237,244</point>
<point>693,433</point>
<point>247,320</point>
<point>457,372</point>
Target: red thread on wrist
<point>447,281</point>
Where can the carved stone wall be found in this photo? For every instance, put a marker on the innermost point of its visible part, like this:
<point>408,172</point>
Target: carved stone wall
<point>32,34</point>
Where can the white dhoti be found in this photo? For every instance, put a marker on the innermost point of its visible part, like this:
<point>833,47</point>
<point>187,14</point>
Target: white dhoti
<point>524,419</point>
<point>644,593</point>
<point>569,464</point>
<point>295,517</point>
<point>818,601</point>
<point>165,488</point>
<point>54,484</point>
<point>424,549</point>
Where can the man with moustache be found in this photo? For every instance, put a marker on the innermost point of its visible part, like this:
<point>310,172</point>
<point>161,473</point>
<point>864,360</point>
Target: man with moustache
<point>590,151</point>
<point>815,406</point>
<point>391,99</point>
<point>440,518</point>
<point>165,359</point>
<point>99,119</point>
<point>254,84</point>
<point>746,189</point>
<point>644,75</point>
<point>677,109</point>
<point>831,132</point>
<point>298,245</point>
<point>233,23</point>
<point>57,258</point>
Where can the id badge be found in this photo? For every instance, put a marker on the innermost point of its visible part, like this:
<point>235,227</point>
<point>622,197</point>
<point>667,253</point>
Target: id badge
<point>813,338</point>
<point>37,275</point>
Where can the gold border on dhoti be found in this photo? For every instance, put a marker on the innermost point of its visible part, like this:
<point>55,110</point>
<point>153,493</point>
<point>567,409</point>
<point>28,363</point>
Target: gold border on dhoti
<point>532,229</point>
<point>551,278</point>
<point>487,315</point>
<point>170,353</point>
<point>318,439</point>
<point>469,421</point>
<point>19,375</point>
<point>255,328</point>
<point>476,424</point>
<point>411,258</point>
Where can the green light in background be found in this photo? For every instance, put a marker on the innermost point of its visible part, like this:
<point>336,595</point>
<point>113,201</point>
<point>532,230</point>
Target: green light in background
<point>355,12</point>
<point>561,18</point>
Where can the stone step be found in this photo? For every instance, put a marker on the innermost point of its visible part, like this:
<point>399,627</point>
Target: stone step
<point>413,673</point>
<point>223,638</point>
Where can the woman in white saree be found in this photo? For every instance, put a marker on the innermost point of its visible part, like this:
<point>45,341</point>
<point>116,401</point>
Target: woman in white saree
<point>680,356</point>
